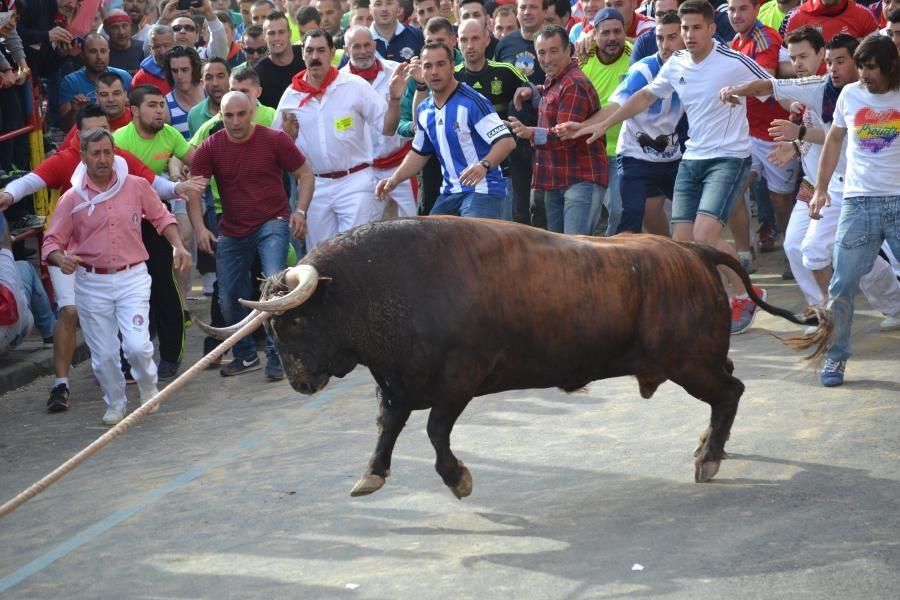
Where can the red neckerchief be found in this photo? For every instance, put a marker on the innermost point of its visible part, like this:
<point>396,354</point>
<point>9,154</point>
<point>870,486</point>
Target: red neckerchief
<point>368,74</point>
<point>587,25</point>
<point>232,52</point>
<point>300,84</point>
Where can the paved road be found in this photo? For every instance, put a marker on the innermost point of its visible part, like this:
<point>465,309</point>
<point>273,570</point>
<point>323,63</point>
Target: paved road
<point>240,489</point>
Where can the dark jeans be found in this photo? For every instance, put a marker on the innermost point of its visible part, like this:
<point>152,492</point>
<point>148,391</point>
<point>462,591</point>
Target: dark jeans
<point>432,182</point>
<point>166,314</point>
<point>12,117</point>
<point>639,180</point>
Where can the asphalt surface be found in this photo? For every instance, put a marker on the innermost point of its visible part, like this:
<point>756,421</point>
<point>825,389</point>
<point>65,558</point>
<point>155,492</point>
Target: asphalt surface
<point>239,488</point>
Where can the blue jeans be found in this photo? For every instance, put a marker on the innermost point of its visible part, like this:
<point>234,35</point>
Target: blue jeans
<point>234,258</point>
<point>44,319</point>
<point>709,186</point>
<point>469,204</point>
<point>569,209</point>
<point>639,180</point>
<point>865,223</point>
<point>612,200</point>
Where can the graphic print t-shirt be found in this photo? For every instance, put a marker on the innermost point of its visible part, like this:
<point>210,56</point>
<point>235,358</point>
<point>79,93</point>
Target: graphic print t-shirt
<point>873,149</point>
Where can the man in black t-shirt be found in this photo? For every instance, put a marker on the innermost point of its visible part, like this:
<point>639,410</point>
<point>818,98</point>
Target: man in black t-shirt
<point>517,49</point>
<point>284,60</point>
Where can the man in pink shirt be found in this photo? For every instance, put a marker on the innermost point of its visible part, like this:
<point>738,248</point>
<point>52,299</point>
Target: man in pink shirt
<point>96,234</point>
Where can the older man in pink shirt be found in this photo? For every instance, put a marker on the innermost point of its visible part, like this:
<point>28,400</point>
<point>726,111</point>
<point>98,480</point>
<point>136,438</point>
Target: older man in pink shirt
<point>96,234</point>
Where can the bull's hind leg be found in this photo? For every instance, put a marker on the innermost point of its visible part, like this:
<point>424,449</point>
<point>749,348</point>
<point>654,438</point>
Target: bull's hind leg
<point>440,423</point>
<point>722,392</point>
<point>391,420</point>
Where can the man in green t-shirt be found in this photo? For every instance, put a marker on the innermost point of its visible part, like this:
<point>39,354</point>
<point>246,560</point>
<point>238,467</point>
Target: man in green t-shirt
<point>606,67</point>
<point>772,13</point>
<point>154,142</point>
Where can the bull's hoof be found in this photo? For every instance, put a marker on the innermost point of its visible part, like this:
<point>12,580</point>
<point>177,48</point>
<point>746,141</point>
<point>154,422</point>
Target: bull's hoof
<point>703,472</point>
<point>464,486</point>
<point>367,484</point>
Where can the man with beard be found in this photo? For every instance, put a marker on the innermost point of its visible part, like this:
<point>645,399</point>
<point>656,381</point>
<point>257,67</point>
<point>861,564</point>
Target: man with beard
<point>809,243</point>
<point>215,84</point>
<point>331,115</point>
<point>125,52</point>
<point>606,68</point>
<point>137,12</point>
<point>283,62</point>
<point>388,150</point>
<point>79,89</point>
<point>154,142</point>
<point>161,39</point>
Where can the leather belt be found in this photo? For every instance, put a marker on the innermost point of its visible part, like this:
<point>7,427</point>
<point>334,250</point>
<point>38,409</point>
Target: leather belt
<point>104,271</point>
<point>339,174</point>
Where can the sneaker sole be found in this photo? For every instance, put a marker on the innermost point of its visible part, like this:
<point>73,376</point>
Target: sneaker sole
<point>271,377</point>
<point>57,408</point>
<point>242,371</point>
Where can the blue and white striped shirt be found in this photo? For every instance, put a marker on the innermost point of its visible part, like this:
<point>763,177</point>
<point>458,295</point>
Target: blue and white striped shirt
<point>461,133</point>
<point>178,115</point>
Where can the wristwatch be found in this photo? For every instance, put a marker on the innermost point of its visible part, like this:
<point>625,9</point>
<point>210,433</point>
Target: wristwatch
<point>300,211</point>
<point>485,164</point>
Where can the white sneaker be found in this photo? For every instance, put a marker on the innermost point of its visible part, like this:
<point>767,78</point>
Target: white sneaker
<point>113,415</point>
<point>890,324</point>
<point>208,280</point>
<point>147,395</point>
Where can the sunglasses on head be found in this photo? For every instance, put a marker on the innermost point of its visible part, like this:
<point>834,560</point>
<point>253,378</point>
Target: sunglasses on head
<point>189,28</point>
<point>260,50</point>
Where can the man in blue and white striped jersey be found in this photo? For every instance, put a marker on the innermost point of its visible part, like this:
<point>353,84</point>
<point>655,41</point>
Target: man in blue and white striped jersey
<point>462,128</point>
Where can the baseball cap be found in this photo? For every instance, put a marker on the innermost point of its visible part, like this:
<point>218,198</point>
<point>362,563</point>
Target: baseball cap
<point>606,14</point>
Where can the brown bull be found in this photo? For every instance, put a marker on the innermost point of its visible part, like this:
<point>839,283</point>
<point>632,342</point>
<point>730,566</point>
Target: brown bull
<point>445,309</point>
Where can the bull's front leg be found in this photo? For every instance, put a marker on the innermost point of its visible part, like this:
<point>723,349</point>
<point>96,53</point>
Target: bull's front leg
<point>440,423</point>
<point>391,420</point>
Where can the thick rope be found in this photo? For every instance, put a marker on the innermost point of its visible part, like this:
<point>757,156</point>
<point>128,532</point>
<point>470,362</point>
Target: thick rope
<point>126,424</point>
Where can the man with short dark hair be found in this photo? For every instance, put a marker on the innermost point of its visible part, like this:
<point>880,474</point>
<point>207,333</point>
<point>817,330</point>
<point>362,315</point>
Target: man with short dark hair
<point>330,12</point>
<point>331,116</point>
<point>79,89</point>
<point>717,160</point>
<point>572,176</point>
<point>394,40</point>
<point>893,27</point>
<point>866,116</point>
<point>260,10</point>
<point>505,21</point>
<point>283,62</point>
<point>467,136</point>
<point>253,45</point>
<point>474,9</point>
<point>215,84</point>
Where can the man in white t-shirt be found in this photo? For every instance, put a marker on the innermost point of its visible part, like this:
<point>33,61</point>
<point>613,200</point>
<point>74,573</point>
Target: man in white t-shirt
<point>717,157</point>
<point>809,244</point>
<point>869,111</point>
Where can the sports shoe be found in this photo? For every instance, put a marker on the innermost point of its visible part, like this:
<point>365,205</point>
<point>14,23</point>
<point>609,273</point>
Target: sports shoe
<point>832,374</point>
<point>147,395</point>
<point>240,366</point>
<point>274,370</point>
<point>767,237</point>
<point>48,342</point>
<point>743,311</point>
<point>890,324</point>
<point>59,399</point>
<point>167,370</point>
<point>113,416</point>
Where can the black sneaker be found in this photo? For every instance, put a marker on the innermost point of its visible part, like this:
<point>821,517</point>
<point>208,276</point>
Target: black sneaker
<point>167,370</point>
<point>59,399</point>
<point>240,366</point>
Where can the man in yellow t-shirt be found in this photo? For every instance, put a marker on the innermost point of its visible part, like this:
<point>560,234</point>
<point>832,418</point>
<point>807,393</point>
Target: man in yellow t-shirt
<point>772,13</point>
<point>606,67</point>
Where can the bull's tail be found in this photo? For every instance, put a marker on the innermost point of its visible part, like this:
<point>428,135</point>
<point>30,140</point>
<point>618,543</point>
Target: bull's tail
<point>813,315</point>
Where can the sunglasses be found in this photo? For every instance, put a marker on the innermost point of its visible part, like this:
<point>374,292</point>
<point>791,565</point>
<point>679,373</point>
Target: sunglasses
<point>260,50</point>
<point>188,28</point>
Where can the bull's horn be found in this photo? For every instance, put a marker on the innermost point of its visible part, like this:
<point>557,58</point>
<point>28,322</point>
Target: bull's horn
<point>301,280</point>
<point>224,333</point>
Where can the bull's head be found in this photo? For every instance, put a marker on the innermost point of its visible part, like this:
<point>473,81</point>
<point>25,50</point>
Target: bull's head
<point>301,367</point>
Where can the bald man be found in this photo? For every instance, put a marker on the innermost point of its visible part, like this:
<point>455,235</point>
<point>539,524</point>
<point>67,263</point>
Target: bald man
<point>247,161</point>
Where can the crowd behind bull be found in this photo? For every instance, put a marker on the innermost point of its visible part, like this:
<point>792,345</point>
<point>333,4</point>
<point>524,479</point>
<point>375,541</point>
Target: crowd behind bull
<point>245,133</point>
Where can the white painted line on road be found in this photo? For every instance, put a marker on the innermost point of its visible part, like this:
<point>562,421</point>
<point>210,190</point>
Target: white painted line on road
<point>94,531</point>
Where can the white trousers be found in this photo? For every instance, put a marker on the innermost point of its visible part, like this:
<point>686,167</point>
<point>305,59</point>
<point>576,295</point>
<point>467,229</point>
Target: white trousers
<point>109,305</point>
<point>403,194</point>
<point>809,245</point>
<point>342,204</point>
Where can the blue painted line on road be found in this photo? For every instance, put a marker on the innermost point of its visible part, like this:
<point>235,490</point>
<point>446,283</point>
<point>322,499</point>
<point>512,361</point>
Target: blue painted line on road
<point>94,531</point>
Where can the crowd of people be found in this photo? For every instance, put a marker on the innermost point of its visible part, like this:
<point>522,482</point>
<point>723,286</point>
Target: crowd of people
<point>235,136</point>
